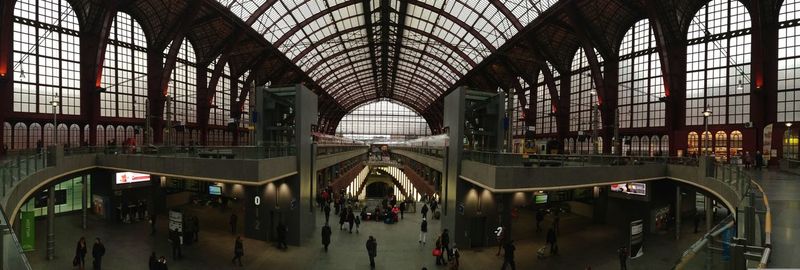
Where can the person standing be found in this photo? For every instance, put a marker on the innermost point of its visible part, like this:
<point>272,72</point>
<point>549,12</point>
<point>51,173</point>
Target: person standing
<point>196,227</point>
<point>282,235</point>
<point>153,223</point>
<point>152,263</point>
<point>759,160</point>
<point>622,253</point>
<point>238,251</point>
<point>80,254</point>
<point>342,218</point>
<point>372,250</point>
<point>423,232</point>
<point>98,250</point>
<point>175,240</point>
<point>424,210</point>
<point>551,240</point>
<point>351,218</point>
<point>539,219</point>
<point>402,209</point>
<point>326,236</point>
<point>508,259</point>
<point>232,222</point>
<point>327,209</point>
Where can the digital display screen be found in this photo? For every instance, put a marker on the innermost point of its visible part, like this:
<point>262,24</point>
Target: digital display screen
<point>630,188</point>
<point>214,190</point>
<point>131,177</point>
<point>540,198</point>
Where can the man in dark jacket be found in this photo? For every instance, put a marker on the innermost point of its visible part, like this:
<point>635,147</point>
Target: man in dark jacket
<point>327,210</point>
<point>152,263</point>
<point>372,250</point>
<point>98,250</point>
<point>446,244</point>
<point>175,240</point>
<point>551,239</point>
<point>282,236</point>
<point>509,255</point>
<point>238,251</point>
<point>326,236</point>
<point>423,232</point>
<point>424,210</point>
<point>402,209</point>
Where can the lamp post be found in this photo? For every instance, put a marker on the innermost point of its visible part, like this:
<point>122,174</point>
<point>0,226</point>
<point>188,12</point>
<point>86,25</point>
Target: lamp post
<point>789,136</point>
<point>706,114</point>
<point>55,104</point>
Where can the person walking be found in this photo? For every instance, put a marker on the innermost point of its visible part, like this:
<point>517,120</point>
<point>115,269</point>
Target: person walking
<point>327,209</point>
<point>326,236</point>
<point>424,210</point>
<point>446,244</point>
<point>402,209</point>
<point>98,250</point>
<point>175,240</point>
<point>440,247</point>
<point>282,235</point>
<point>80,254</point>
<point>196,228</point>
<point>454,264</point>
<point>232,222</point>
<point>551,240</point>
<point>351,219</point>
<point>238,251</point>
<point>759,160</point>
<point>342,218</point>
<point>423,232</point>
<point>508,258</point>
<point>372,250</point>
<point>622,253</point>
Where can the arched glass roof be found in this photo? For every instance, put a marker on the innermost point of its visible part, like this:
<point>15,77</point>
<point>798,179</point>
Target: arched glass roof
<point>408,50</point>
<point>385,119</point>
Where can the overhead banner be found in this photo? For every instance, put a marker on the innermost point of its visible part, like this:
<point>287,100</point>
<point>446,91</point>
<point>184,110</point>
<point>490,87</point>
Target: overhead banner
<point>637,239</point>
<point>28,230</point>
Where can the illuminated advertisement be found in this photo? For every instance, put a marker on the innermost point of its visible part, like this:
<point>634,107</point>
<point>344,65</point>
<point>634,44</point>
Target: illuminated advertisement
<point>630,188</point>
<point>131,177</point>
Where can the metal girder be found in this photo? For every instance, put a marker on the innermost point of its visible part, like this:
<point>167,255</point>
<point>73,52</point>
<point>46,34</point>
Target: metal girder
<point>182,27</point>
<point>323,76</point>
<point>551,87</point>
<point>106,22</point>
<point>580,27</point>
<point>510,16</point>
<point>401,26</point>
<point>335,89</point>
<point>525,77</point>
<point>367,9</point>
<point>296,28</point>
<point>384,11</point>
<point>456,20</point>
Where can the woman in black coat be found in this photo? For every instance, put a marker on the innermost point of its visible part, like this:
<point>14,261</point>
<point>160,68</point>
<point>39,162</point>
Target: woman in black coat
<point>326,236</point>
<point>80,254</point>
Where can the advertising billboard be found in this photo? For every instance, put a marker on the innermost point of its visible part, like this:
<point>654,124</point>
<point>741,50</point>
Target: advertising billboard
<point>122,178</point>
<point>630,188</point>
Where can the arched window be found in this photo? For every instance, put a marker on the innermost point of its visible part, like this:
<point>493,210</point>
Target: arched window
<point>8,135</point>
<point>101,136</point>
<point>383,118</point>
<point>21,136</point>
<point>636,147</point>
<point>721,145</point>
<point>706,143</point>
<point>693,143</point>
<point>545,119</point>
<point>718,64</point>
<point>665,145</point>
<point>46,57</point>
<point>34,135</point>
<point>125,70</point>
<point>48,134</point>
<point>221,112</point>
<point>789,62</point>
<point>74,135</point>
<point>582,95</point>
<point>62,136</point>
<point>640,82</point>
<point>645,146</point>
<point>183,86</point>
<point>736,142</point>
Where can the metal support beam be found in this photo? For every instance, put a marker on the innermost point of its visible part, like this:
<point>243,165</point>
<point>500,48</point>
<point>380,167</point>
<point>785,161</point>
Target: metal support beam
<point>401,28</point>
<point>370,36</point>
<point>181,29</point>
<point>51,222</point>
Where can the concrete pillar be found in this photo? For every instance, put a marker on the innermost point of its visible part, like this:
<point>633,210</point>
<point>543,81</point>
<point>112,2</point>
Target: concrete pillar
<point>600,206</point>
<point>709,205</point>
<point>84,195</point>
<point>51,219</point>
<point>677,212</point>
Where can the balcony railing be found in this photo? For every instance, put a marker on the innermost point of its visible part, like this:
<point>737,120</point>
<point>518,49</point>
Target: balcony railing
<point>514,159</point>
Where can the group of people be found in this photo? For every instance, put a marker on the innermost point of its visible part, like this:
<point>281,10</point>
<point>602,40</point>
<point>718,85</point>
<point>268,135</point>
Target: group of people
<point>98,251</point>
<point>749,160</point>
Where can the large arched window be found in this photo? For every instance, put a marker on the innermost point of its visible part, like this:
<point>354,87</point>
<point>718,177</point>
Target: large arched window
<point>46,57</point>
<point>125,70</point>
<point>383,118</point>
<point>718,64</point>
<point>640,82</point>
<point>789,62</point>
<point>582,95</point>
<point>221,112</point>
<point>545,119</point>
<point>183,85</point>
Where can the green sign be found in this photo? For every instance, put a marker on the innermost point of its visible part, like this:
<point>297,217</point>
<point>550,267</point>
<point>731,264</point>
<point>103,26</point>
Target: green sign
<point>27,230</point>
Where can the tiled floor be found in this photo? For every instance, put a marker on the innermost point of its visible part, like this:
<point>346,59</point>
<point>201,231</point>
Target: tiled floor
<point>129,245</point>
<point>783,190</point>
